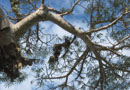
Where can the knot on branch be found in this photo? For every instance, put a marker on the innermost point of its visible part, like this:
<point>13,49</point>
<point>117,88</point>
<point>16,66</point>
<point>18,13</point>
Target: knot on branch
<point>43,11</point>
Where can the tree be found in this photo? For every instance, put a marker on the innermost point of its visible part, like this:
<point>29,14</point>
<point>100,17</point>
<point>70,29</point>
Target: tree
<point>91,64</point>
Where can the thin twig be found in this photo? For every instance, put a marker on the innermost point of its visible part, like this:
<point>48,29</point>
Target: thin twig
<point>74,66</point>
<point>107,26</point>
<point>69,12</point>
<point>54,10</point>
<point>106,48</point>
<point>117,43</point>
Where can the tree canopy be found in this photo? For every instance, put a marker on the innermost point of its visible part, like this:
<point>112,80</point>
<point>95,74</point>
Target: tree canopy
<point>90,57</point>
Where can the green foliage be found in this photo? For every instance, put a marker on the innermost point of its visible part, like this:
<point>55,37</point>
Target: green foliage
<point>98,13</point>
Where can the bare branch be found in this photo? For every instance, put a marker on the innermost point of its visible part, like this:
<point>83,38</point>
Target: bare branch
<point>77,62</point>
<point>97,83</point>
<point>127,37</point>
<point>106,26</point>
<point>99,58</point>
<point>81,69</point>
<point>104,21</point>
<point>100,47</point>
<point>22,26</point>
<point>101,73</point>
<point>121,47</point>
<point>42,1</point>
<point>114,67</point>
<point>54,10</point>
<point>74,66</point>
<point>69,12</point>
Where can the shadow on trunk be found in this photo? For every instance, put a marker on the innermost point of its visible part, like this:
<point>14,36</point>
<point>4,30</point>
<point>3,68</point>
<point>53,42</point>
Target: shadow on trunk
<point>11,59</point>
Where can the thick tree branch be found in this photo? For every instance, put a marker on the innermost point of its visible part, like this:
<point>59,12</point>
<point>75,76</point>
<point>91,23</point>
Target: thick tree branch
<point>56,18</point>
<point>42,2</point>
<point>42,14</point>
<point>22,26</point>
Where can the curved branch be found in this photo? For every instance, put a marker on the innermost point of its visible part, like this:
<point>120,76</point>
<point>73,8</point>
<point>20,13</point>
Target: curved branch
<point>22,26</point>
<point>120,41</point>
<point>107,26</point>
<point>69,12</point>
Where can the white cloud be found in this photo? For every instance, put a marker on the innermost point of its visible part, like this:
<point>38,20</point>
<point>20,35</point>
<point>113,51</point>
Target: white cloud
<point>126,52</point>
<point>25,85</point>
<point>54,29</point>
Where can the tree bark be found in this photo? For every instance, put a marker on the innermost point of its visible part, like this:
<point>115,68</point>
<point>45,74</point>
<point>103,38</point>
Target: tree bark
<point>43,14</point>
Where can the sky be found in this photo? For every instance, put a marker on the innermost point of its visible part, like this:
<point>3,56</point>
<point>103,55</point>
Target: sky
<point>76,21</point>
<point>25,85</point>
<point>53,28</point>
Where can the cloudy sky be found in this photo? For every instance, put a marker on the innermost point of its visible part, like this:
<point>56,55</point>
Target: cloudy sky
<point>53,28</point>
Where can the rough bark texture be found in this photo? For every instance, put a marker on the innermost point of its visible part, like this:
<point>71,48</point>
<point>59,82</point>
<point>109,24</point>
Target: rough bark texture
<point>4,23</point>
<point>11,59</point>
<point>10,55</point>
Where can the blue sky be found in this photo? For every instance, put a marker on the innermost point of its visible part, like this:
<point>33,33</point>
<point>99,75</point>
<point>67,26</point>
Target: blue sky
<point>76,20</point>
<point>53,28</point>
<point>5,3</point>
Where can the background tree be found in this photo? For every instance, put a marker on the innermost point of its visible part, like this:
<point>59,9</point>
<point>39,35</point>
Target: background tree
<point>84,60</point>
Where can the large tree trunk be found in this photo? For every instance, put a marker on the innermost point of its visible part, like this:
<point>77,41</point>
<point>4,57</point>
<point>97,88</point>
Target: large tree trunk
<point>10,56</point>
<point>9,31</point>
<point>5,31</point>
